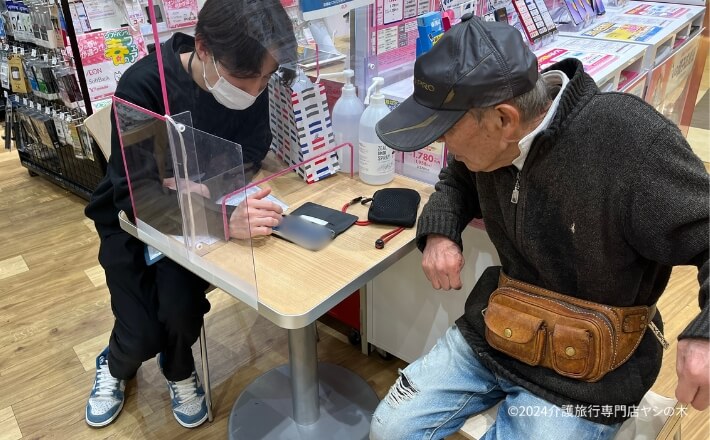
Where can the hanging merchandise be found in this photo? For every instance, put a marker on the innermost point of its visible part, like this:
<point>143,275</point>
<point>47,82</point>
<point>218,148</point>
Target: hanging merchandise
<point>58,118</point>
<point>69,90</point>
<point>376,159</point>
<point>301,128</point>
<point>50,34</point>
<point>20,21</point>
<point>79,17</point>
<point>4,70</point>
<point>347,112</point>
<point>56,143</point>
<point>18,78</point>
<point>42,78</point>
<point>536,22</point>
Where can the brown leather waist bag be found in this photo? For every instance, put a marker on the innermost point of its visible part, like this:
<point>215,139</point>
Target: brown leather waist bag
<point>578,339</point>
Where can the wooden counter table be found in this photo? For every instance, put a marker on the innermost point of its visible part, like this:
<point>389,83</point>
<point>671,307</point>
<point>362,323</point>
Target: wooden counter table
<point>295,287</point>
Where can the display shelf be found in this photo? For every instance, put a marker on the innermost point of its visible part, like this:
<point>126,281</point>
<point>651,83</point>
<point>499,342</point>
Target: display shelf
<point>59,165</point>
<point>661,27</point>
<point>612,64</point>
<point>57,179</point>
<point>635,86</point>
<point>669,82</point>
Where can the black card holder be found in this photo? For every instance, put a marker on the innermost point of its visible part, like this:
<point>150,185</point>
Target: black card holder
<point>394,206</point>
<point>338,221</point>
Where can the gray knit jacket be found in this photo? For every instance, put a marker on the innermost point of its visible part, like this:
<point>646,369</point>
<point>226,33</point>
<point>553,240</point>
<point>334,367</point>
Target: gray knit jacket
<point>611,198</point>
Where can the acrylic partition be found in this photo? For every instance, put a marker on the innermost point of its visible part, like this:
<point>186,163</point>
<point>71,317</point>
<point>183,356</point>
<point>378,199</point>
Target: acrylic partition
<point>178,177</point>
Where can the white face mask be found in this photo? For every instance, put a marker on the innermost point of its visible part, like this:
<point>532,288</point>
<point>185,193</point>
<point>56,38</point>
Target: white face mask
<point>227,94</point>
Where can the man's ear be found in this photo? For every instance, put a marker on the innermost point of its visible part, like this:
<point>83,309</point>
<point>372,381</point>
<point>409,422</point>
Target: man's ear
<point>509,122</point>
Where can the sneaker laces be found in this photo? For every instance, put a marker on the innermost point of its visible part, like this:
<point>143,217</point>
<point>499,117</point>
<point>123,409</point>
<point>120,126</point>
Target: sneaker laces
<point>186,389</point>
<point>106,384</point>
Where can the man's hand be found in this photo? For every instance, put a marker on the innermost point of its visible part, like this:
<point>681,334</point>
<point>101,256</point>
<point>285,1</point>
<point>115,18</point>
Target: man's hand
<point>442,262</point>
<point>255,217</point>
<point>693,369</point>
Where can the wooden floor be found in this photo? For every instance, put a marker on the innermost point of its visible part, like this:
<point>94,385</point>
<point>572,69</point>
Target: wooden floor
<point>55,318</point>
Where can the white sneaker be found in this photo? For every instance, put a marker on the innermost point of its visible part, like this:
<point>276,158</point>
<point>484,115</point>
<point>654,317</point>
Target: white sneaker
<point>187,398</point>
<point>107,395</point>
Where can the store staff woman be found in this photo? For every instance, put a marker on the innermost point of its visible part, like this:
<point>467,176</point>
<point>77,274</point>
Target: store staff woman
<point>220,76</point>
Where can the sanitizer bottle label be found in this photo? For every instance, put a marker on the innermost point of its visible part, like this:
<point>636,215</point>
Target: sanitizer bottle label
<point>376,158</point>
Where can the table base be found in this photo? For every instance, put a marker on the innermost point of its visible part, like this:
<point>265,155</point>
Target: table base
<point>264,410</point>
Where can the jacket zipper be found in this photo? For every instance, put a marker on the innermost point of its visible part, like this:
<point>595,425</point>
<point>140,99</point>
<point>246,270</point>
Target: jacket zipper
<point>516,190</point>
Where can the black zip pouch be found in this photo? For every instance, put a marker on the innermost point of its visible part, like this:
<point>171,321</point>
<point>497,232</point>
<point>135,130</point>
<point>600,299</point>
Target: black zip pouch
<point>394,206</point>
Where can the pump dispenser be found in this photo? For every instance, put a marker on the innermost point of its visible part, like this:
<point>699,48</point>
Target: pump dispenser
<point>347,112</point>
<point>376,159</point>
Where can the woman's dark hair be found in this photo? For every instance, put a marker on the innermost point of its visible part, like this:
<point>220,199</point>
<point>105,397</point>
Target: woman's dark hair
<point>239,33</point>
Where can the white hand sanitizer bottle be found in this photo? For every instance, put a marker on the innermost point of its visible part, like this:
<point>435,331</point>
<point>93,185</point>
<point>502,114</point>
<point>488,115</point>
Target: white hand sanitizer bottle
<point>347,112</point>
<point>376,159</point>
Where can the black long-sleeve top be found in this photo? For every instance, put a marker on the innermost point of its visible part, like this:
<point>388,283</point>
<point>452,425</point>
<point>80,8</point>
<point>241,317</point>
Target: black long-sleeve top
<point>150,161</point>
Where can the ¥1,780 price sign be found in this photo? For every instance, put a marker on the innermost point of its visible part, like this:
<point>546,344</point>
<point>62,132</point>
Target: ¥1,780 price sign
<point>425,164</point>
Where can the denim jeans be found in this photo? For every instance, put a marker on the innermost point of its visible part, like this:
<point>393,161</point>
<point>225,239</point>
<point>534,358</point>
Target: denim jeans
<point>433,397</point>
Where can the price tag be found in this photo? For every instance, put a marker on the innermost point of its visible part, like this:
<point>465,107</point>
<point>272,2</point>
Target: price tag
<point>6,46</point>
<point>45,57</point>
<point>424,164</point>
<point>24,101</point>
<point>39,107</point>
<point>22,51</point>
<point>54,61</point>
<point>48,110</point>
<point>34,53</point>
<point>14,49</point>
<point>6,95</point>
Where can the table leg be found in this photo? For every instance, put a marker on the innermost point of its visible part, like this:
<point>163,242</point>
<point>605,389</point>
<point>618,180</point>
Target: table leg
<point>364,335</point>
<point>304,400</point>
<point>303,360</point>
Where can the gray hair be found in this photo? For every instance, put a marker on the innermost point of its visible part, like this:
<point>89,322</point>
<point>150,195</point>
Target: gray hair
<point>530,104</point>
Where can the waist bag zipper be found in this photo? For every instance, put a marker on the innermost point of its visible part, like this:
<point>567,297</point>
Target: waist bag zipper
<point>572,307</point>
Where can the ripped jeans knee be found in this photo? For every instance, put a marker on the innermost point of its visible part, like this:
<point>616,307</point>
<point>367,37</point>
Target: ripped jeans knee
<point>401,391</point>
<point>390,421</point>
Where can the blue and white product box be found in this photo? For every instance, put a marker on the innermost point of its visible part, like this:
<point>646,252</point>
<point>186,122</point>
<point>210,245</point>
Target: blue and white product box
<point>430,29</point>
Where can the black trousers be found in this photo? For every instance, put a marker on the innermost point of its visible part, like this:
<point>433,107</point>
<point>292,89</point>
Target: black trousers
<point>157,308</point>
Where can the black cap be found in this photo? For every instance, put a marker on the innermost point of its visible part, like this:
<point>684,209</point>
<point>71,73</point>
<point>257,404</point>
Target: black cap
<point>475,64</point>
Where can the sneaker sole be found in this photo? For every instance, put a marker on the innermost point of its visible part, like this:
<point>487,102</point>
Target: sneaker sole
<point>107,422</point>
<point>191,425</point>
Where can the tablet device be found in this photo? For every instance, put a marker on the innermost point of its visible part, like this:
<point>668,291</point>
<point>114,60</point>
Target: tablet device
<point>304,233</point>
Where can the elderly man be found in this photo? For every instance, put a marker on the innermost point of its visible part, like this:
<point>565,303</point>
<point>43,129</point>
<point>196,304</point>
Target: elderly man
<point>590,199</point>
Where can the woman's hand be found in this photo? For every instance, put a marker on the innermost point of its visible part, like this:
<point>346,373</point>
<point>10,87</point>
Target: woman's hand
<point>255,217</point>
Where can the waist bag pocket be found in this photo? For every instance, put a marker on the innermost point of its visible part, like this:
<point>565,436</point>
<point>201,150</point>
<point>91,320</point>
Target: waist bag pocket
<point>572,350</point>
<point>522,338</point>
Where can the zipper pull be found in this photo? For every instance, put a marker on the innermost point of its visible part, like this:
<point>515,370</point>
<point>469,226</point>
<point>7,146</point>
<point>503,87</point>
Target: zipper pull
<point>516,190</point>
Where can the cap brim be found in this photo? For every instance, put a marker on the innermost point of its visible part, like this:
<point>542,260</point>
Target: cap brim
<point>412,126</point>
